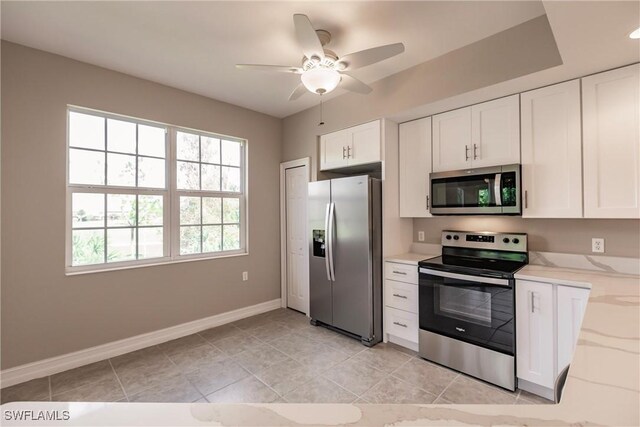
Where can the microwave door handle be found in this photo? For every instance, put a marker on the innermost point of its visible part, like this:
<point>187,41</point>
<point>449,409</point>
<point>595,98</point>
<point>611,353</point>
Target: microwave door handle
<point>497,189</point>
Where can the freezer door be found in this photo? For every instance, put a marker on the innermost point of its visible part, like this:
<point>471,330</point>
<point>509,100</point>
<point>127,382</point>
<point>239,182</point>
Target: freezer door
<point>352,255</point>
<point>319,273</point>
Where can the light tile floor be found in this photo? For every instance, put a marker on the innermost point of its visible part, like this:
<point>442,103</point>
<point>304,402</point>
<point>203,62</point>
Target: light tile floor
<point>272,357</point>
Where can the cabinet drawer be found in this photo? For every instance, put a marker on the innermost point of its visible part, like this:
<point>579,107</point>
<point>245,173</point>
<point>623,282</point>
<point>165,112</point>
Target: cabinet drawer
<point>401,324</point>
<point>403,296</point>
<point>401,272</point>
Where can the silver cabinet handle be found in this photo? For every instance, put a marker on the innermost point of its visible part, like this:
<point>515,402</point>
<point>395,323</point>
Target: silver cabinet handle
<point>475,151</point>
<point>399,272</point>
<point>400,324</point>
<point>533,302</point>
<point>466,153</point>
<point>344,152</point>
<point>526,202</point>
<point>348,151</point>
<point>427,202</point>
<point>400,296</point>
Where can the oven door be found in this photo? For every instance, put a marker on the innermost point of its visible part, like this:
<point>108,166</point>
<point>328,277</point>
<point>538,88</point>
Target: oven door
<point>478,310</point>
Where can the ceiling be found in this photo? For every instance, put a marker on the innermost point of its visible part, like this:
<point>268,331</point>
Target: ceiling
<point>194,45</point>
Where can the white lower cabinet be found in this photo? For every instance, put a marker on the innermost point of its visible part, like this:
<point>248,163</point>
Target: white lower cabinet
<point>548,320</point>
<point>401,304</point>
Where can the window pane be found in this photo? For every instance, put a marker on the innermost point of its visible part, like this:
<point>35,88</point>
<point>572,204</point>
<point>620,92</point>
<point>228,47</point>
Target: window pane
<point>210,177</point>
<point>121,210</point>
<point>151,141</point>
<point>121,244</point>
<point>190,240</point>
<point>88,210</point>
<point>230,153</point>
<point>87,247</point>
<point>121,170</point>
<point>212,238</point>
<point>210,149</point>
<point>86,167</point>
<point>188,176</point>
<point>231,237</point>
<point>189,210</point>
<point>150,243</point>
<point>231,210</point>
<point>211,210</point>
<point>188,147</point>
<point>121,136</point>
<point>230,179</point>
<point>86,131</point>
<point>151,172</point>
<point>150,210</point>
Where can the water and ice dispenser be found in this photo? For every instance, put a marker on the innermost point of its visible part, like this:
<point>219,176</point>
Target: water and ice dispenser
<point>318,243</point>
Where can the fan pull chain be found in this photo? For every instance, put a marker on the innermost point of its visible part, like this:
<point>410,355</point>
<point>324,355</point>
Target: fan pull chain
<point>321,121</point>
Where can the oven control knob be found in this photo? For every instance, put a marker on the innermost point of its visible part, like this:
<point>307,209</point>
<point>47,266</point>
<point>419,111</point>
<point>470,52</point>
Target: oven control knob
<point>516,240</point>
<point>506,240</point>
<point>456,237</point>
<point>448,236</point>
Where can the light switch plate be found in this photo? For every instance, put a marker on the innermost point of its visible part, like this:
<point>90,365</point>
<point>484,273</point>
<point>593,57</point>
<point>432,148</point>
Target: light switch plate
<point>245,276</point>
<point>597,245</point>
<point>421,236</point>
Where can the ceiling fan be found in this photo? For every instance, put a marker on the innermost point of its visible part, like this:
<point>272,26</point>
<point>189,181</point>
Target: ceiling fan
<point>322,70</point>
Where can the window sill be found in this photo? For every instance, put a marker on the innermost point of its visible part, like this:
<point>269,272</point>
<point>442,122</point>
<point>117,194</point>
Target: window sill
<point>100,268</point>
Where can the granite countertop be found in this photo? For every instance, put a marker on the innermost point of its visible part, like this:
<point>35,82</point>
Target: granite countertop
<point>410,258</point>
<point>602,386</point>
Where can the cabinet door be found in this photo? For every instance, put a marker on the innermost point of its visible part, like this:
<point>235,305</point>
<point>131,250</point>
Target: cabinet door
<point>333,150</point>
<point>364,143</point>
<point>415,166</point>
<point>452,140</point>
<point>495,132</point>
<point>611,138</point>
<point>571,303</point>
<point>534,332</point>
<point>552,152</point>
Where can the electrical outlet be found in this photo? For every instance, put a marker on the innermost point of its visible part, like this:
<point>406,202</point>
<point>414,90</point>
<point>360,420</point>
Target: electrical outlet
<point>245,276</point>
<point>597,245</point>
<point>421,236</point>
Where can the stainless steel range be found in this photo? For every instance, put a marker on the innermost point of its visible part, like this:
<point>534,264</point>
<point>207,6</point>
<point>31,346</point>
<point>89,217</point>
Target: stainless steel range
<point>467,304</point>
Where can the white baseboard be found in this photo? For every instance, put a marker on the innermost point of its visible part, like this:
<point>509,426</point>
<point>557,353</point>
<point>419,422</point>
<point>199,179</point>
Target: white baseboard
<point>53,365</point>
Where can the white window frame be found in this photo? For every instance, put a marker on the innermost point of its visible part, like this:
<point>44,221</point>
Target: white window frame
<point>170,194</point>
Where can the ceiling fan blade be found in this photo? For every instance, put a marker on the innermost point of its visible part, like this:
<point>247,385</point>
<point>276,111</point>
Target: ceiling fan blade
<point>354,85</point>
<point>370,56</point>
<point>276,68</point>
<point>307,37</point>
<point>298,92</point>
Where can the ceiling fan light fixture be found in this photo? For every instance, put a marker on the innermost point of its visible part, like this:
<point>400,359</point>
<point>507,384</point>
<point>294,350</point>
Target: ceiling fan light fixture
<point>635,34</point>
<point>320,80</point>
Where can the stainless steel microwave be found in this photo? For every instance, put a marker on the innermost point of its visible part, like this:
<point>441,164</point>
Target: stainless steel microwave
<point>482,191</point>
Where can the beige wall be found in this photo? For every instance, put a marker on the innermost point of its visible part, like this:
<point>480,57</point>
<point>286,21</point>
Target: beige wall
<point>44,312</point>
<point>622,236</point>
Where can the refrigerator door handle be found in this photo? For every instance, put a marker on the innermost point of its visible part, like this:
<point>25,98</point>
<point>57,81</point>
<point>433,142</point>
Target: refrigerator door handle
<point>330,233</point>
<point>326,242</point>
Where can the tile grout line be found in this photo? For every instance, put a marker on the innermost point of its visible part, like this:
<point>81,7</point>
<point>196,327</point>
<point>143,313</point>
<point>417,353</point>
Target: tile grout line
<point>181,373</point>
<point>447,387</point>
<point>126,396</point>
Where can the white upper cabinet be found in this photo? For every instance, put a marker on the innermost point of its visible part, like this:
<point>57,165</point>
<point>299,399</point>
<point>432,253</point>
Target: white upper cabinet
<point>415,166</point>
<point>571,303</point>
<point>552,152</point>
<point>611,143</point>
<point>352,146</point>
<point>495,132</point>
<point>535,332</point>
<point>482,135</point>
<point>452,140</point>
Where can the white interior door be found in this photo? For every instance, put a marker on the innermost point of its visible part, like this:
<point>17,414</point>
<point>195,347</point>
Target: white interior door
<point>296,220</point>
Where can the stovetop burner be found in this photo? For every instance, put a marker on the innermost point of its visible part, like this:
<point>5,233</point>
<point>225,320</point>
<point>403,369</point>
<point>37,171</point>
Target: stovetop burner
<point>481,254</point>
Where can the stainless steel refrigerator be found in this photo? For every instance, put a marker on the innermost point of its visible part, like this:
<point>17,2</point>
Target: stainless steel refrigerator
<point>345,256</point>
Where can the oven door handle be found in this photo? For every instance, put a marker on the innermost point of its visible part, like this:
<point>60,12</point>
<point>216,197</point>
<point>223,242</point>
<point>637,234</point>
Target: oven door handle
<point>476,279</point>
